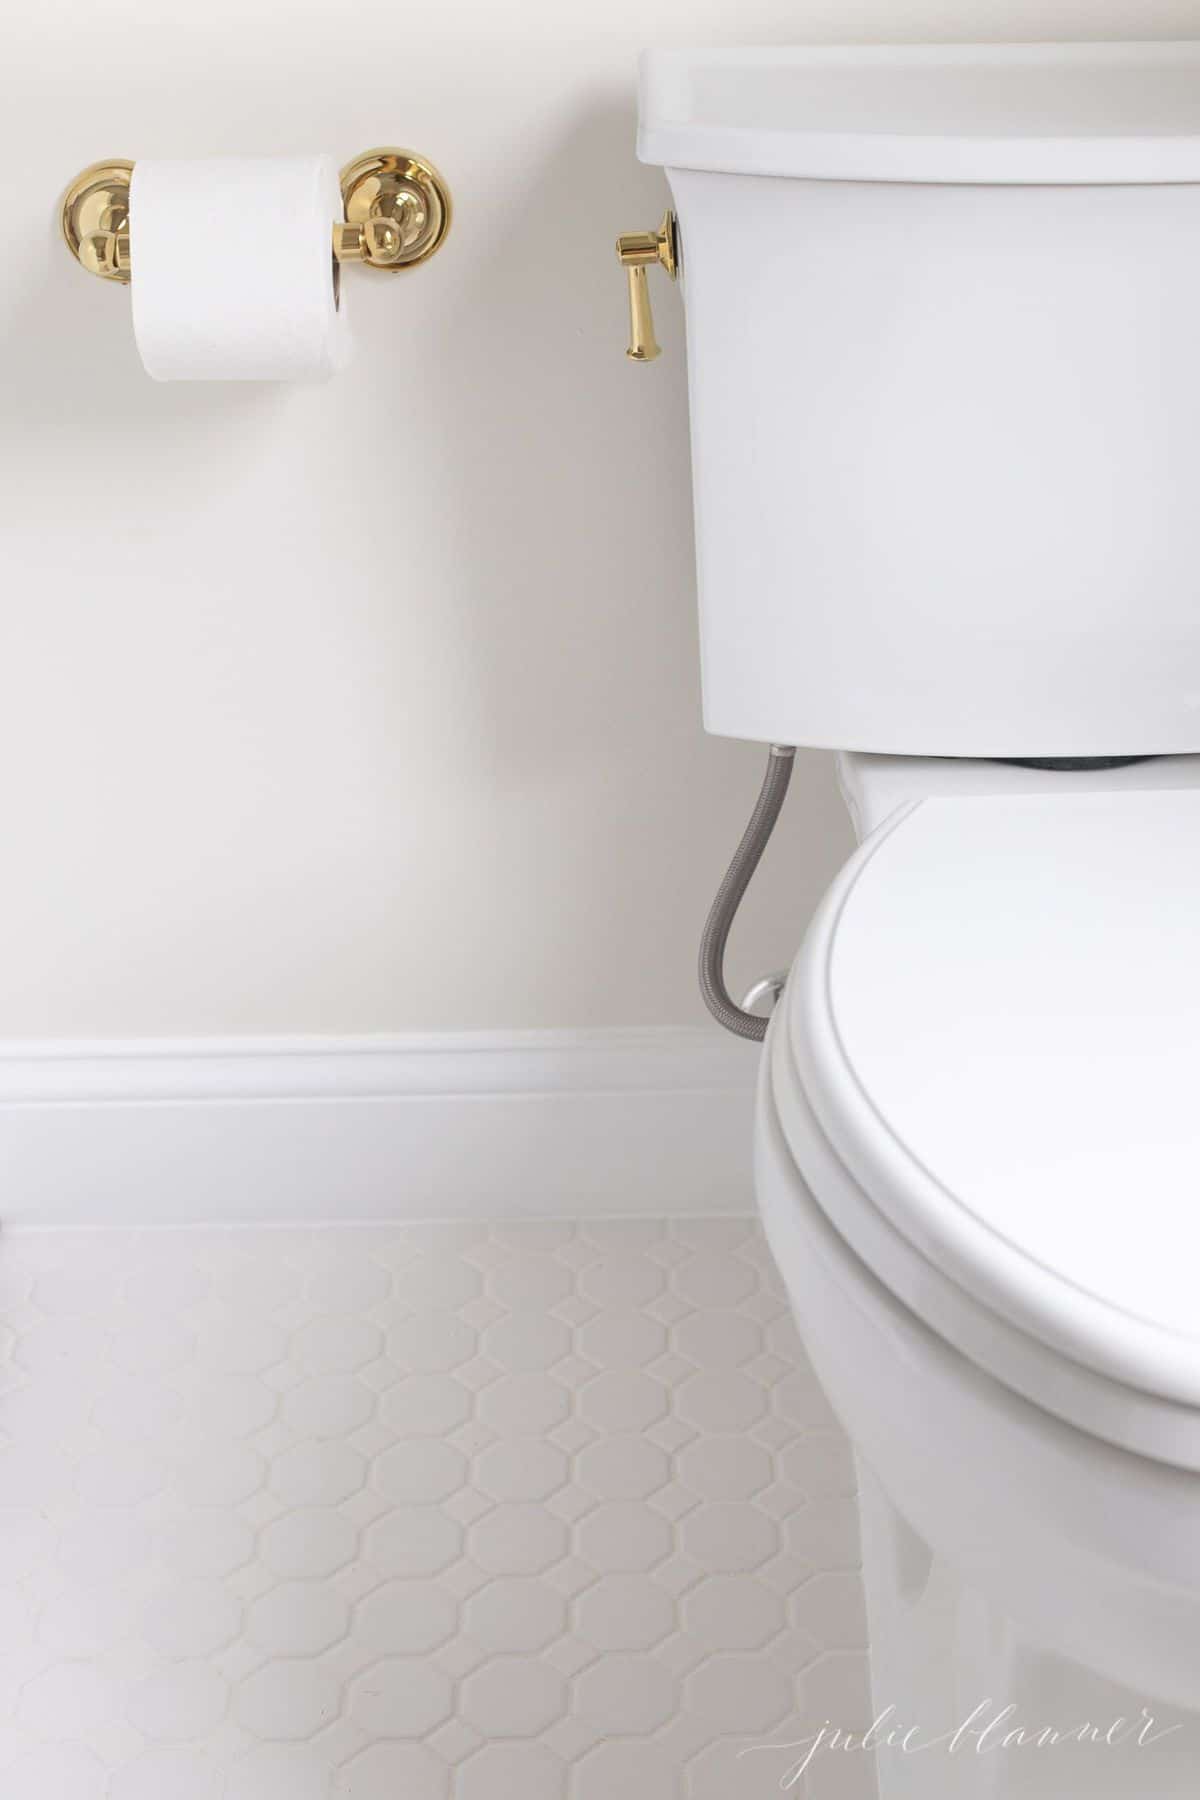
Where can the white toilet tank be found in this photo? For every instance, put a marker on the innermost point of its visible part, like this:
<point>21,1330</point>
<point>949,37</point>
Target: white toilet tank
<point>943,321</point>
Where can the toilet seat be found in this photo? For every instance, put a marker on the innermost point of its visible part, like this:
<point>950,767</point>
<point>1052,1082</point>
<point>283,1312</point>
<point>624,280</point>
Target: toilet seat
<point>987,1067</point>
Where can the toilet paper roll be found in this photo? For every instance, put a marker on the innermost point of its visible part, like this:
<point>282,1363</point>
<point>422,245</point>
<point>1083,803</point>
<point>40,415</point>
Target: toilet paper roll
<point>233,276</point>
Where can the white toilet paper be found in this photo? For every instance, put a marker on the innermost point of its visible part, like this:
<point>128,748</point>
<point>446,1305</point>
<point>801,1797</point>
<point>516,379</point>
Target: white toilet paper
<point>233,276</point>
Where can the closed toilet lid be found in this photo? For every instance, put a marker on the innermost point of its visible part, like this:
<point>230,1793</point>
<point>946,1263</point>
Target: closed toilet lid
<point>996,1022</point>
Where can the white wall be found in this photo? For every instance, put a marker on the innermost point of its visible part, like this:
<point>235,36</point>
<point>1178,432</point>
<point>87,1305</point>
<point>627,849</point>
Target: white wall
<point>375,707</point>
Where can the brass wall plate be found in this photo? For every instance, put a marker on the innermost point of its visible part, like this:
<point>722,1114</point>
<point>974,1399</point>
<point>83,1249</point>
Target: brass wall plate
<point>397,209</point>
<point>94,217</point>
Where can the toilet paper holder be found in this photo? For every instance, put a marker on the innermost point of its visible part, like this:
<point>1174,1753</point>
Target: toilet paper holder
<point>397,213</point>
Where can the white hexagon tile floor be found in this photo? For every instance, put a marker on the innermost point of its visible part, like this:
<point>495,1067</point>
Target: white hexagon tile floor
<point>462,1512</point>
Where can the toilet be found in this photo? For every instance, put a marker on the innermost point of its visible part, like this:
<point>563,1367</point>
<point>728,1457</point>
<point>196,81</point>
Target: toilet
<point>944,370</point>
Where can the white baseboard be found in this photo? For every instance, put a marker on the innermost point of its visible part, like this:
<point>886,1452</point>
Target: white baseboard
<point>453,1125</point>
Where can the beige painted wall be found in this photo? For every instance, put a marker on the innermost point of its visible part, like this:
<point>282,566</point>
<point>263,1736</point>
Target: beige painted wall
<point>375,706</point>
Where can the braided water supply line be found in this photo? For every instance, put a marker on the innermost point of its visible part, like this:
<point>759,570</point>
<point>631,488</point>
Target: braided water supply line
<point>747,856</point>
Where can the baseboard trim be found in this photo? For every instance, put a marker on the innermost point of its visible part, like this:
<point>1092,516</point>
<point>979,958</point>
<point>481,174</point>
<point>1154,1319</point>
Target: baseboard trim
<point>446,1125</point>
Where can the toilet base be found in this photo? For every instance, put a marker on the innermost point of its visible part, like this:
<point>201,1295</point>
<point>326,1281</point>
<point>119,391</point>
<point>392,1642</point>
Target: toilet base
<point>970,1710</point>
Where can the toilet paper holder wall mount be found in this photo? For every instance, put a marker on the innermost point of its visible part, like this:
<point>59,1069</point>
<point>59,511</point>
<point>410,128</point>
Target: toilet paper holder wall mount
<point>397,213</point>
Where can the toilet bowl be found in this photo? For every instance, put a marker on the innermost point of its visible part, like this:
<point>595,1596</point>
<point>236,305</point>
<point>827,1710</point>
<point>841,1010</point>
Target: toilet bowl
<point>977,1175</point>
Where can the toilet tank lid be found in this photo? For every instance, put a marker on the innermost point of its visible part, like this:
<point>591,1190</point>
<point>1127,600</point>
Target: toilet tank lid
<point>993,113</point>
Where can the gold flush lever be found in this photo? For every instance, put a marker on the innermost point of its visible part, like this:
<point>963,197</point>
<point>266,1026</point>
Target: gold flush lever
<point>638,251</point>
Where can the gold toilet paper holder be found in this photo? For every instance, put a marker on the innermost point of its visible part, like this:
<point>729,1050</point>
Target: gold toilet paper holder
<point>397,213</point>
